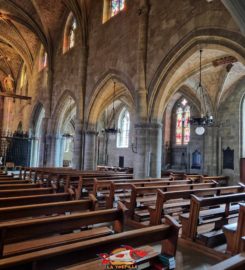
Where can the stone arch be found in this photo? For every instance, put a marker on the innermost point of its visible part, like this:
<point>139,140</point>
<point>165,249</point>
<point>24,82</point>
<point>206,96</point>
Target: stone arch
<point>70,18</point>
<point>170,157</point>
<point>20,127</point>
<point>63,124</point>
<point>159,87</point>
<point>65,105</point>
<point>36,130</point>
<point>103,94</point>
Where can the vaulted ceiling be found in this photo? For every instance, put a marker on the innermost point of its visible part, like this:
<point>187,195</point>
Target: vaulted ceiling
<point>24,25</point>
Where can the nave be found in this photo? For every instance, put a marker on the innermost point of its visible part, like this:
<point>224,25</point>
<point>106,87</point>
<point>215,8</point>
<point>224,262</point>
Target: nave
<point>71,219</point>
<point>122,134</point>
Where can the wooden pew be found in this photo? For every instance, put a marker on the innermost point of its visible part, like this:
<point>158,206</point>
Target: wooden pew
<point>47,209</point>
<point>142,197</point>
<point>201,214</point>
<point>234,263</point>
<point>87,179</point>
<point>47,232</point>
<point>222,180</point>
<point>196,177</point>
<point>234,233</point>
<point>70,254</point>
<point>8,182</point>
<point>177,176</point>
<point>35,199</point>
<point>99,184</point>
<point>123,190</point>
<point>181,199</point>
<point>25,192</point>
<point>19,186</point>
<point>7,177</point>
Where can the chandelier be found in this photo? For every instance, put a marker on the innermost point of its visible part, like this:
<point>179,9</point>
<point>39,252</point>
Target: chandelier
<point>206,119</point>
<point>113,129</point>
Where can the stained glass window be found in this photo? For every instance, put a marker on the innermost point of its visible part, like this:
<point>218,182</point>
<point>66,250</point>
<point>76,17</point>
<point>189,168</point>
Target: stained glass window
<point>23,77</point>
<point>117,6</point>
<point>124,126</point>
<point>179,126</point>
<point>71,36</point>
<point>187,129</point>
<point>183,129</point>
<point>43,59</point>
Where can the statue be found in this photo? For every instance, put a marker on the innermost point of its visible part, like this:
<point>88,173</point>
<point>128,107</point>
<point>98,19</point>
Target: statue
<point>9,84</point>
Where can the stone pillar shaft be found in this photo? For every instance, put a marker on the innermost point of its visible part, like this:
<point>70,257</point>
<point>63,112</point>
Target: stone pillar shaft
<point>77,151</point>
<point>148,144</point>
<point>90,156</point>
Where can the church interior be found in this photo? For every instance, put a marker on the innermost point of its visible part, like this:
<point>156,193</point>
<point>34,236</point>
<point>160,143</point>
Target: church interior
<point>122,134</point>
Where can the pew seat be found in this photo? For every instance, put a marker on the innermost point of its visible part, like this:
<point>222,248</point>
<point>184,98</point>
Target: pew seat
<point>47,228</point>
<point>68,255</point>
<point>48,242</point>
<point>46,209</point>
<point>97,265</point>
<point>234,233</point>
<point>13,186</point>
<point>35,199</point>
<point>234,263</point>
<point>25,192</point>
<point>203,225</point>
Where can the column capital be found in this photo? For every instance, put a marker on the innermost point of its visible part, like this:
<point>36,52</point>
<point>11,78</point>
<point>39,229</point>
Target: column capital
<point>148,125</point>
<point>91,132</point>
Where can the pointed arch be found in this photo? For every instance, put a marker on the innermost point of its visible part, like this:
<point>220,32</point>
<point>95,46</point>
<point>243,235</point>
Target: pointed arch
<point>161,89</point>
<point>36,130</point>
<point>103,94</point>
<point>67,105</point>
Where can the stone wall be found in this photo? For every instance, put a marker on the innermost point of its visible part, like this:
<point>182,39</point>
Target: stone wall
<point>114,47</point>
<point>231,121</point>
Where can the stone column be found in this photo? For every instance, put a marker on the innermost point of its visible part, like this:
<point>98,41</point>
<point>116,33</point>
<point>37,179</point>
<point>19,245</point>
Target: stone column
<point>155,144</point>
<point>142,157</point>
<point>77,151</point>
<point>90,153</point>
<point>141,166</point>
<point>45,145</point>
<point>57,144</point>
<point>148,150</point>
<point>210,151</point>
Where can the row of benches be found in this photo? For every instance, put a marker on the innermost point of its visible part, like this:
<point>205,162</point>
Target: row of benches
<point>204,203</point>
<point>64,232</point>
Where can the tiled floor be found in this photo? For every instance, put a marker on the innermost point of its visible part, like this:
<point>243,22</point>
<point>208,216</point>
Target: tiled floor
<point>189,259</point>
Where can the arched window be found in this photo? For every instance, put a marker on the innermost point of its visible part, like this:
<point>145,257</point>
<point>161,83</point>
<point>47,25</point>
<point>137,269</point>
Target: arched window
<point>124,126</point>
<point>112,8</point>
<point>23,77</point>
<point>117,6</point>
<point>70,33</point>
<point>43,58</point>
<point>182,131</point>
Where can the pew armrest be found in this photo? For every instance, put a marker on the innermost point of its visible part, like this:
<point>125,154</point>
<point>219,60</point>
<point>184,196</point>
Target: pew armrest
<point>242,185</point>
<point>94,201</point>
<point>169,246</point>
<point>171,221</point>
<point>152,212</point>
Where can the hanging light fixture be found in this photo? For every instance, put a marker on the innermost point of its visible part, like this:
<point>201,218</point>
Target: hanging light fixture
<point>113,129</point>
<point>206,118</point>
<point>68,135</point>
